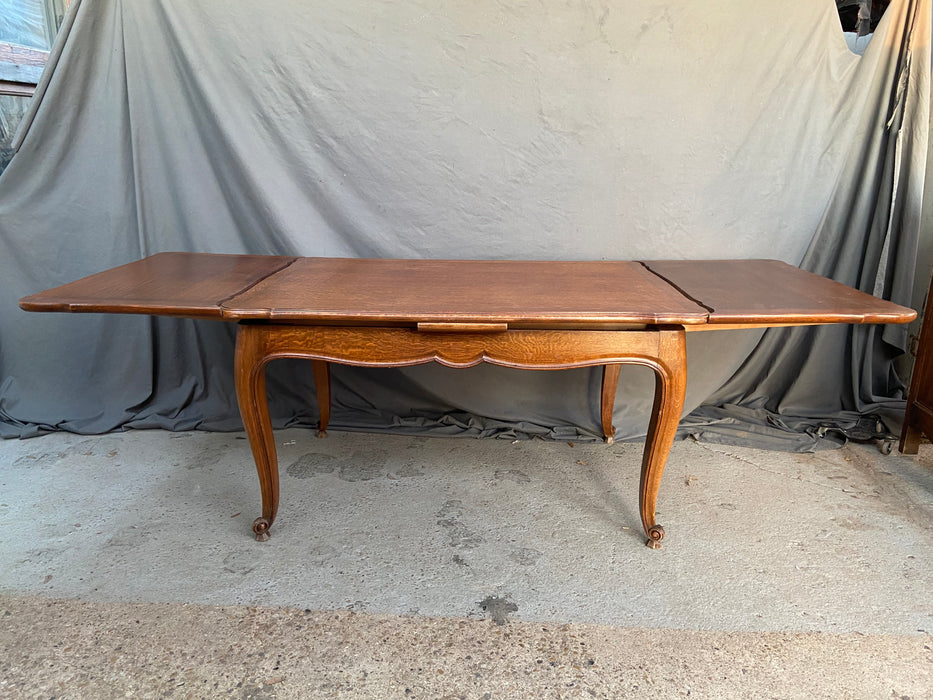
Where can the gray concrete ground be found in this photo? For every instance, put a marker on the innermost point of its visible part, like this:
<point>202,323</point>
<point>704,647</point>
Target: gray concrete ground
<point>490,534</point>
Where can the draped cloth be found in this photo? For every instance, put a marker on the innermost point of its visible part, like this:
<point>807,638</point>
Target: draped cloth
<point>482,130</point>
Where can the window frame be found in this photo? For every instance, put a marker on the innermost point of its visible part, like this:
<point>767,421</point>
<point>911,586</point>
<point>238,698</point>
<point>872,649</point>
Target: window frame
<point>20,68</point>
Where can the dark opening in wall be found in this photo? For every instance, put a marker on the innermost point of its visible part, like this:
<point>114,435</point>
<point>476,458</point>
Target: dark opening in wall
<point>871,12</point>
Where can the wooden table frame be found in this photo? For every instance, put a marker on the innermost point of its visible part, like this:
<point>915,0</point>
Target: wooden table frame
<point>662,349</point>
<point>521,314</point>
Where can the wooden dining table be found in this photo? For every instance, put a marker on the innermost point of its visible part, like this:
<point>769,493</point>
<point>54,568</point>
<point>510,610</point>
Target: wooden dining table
<point>541,315</point>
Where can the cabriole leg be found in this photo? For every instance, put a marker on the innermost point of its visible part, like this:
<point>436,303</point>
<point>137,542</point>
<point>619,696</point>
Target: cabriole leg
<point>250,372</point>
<point>670,388</point>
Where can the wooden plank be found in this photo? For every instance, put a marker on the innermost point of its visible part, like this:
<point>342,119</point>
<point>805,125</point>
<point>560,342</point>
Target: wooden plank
<point>513,292</point>
<point>9,87</point>
<point>21,64</point>
<point>192,285</point>
<point>22,55</point>
<point>771,292</point>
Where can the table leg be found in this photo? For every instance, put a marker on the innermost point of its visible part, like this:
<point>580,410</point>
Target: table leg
<point>607,399</point>
<point>670,388</point>
<point>321,372</point>
<point>250,376</point>
<point>910,437</point>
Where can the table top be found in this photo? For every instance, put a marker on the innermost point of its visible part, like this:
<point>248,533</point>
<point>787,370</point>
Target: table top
<point>465,291</point>
<point>193,285</point>
<point>506,293</point>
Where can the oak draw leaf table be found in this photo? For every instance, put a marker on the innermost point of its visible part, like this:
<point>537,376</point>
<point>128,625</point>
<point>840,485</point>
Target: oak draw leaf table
<point>543,315</point>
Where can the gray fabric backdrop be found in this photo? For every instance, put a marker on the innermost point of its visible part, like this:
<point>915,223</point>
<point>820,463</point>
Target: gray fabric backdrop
<point>462,130</point>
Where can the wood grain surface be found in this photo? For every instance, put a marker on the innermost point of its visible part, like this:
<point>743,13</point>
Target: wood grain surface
<point>351,291</point>
<point>480,294</point>
<point>771,292</point>
<point>192,285</point>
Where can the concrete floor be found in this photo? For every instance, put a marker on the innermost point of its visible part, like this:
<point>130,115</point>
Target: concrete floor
<point>826,556</point>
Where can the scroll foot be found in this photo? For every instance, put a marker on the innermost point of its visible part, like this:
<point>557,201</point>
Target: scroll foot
<point>261,528</point>
<point>655,535</point>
